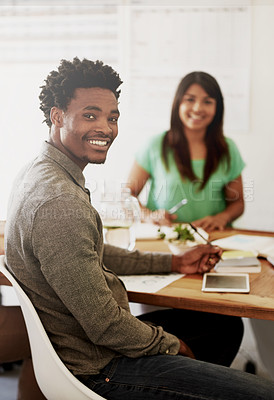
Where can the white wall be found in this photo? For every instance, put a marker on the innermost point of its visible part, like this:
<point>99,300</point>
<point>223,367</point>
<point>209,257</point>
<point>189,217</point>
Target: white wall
<point>22,132</point>
<point>257,146</point>
<point>21,129</point>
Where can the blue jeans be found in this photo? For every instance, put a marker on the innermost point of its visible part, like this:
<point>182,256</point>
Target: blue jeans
<point>164,377</point>
<point>214,340</point>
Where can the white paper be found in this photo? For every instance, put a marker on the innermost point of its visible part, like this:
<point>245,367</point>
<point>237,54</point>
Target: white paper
<point>263,245</point>
<point>271,260</point>
<point>148,283</point>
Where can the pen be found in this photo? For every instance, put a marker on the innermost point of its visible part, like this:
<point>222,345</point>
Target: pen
<point>181,203</point>
<point>196,230</point>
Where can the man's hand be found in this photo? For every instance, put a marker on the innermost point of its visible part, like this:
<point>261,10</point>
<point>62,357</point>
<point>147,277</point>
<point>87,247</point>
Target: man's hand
<point>198,259</point>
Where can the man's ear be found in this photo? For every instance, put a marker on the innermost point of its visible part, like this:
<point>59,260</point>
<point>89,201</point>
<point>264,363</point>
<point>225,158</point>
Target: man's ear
<point>56,117</point>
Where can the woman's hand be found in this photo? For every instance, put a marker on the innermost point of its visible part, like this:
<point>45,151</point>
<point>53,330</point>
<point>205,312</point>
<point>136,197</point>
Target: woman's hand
<point>234,208</point>
<point>197,260</point>
<point>212,223</point>
<point>161,217</point>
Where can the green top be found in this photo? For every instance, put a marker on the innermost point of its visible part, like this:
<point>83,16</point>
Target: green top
<point>167,187</point>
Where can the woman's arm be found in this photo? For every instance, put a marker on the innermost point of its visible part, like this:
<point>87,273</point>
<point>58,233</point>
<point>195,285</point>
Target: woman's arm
<point>234,196</point>
<point>137,179</point>
<point>235,207</point>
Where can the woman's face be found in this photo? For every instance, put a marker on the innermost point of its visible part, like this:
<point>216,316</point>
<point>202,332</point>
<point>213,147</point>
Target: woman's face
<point>197,109</point>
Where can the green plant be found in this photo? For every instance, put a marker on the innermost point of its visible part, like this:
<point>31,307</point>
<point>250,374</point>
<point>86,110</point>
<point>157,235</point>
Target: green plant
<point>183,234</point>
<point>162,235</point>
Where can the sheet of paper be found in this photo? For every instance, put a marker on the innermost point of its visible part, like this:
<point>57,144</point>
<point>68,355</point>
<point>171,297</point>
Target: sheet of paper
<point>148,283</point>
<point>271,260</point>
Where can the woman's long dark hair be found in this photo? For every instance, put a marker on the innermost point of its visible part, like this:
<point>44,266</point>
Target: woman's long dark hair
<point>175,138</point>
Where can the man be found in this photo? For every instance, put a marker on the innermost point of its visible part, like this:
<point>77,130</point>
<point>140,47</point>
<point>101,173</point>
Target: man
<point>55,248</point>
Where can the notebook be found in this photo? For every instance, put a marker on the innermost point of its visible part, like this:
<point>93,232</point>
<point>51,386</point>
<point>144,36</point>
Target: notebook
<point>261,245</point>
<point>238,261</point>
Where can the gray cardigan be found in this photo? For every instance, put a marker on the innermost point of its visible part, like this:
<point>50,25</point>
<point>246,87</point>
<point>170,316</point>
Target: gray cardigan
<point>54,246</point>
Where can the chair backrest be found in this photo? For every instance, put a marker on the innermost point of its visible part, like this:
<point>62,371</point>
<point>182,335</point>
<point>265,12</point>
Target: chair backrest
<point>54,379</point>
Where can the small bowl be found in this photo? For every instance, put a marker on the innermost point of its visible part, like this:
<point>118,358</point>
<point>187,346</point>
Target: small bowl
<point>177,247</point>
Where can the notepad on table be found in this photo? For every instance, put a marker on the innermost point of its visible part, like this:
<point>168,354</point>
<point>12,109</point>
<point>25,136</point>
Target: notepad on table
<point>262,245</point>
<point>238,261</point>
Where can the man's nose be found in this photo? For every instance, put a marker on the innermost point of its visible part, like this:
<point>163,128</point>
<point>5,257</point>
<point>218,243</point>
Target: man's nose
<point>103,127</point>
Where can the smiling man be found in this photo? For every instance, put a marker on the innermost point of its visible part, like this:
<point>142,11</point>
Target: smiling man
<point>87,128</point>
<point>54,246</point>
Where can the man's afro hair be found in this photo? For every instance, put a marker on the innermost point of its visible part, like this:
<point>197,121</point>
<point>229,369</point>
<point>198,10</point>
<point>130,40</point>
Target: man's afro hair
<point>60,85</point>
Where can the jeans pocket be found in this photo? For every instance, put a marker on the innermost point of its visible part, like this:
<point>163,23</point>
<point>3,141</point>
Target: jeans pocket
<point>105,375</point>
<point>110,369</point>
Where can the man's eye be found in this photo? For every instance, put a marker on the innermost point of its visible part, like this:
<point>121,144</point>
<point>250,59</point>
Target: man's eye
<point>89,116</point>
<point>113,119</point>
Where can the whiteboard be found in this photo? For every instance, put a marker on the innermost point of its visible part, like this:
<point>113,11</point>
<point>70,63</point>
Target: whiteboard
<point>167,42</point>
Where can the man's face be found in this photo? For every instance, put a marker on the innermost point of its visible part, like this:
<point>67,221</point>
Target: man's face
<point>88,127</point>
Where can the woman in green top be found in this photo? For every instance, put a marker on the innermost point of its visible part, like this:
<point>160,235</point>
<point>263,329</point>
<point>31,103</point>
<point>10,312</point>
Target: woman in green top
<point>192,160</point>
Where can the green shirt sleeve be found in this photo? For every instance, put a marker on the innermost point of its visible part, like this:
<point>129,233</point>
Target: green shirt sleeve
<point>236,162</point>
<point>149,153</point>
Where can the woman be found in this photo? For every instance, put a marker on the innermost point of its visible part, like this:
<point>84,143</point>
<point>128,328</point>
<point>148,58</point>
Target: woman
<point>192,160</point>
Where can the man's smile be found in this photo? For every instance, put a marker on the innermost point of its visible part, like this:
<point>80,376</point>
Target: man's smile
<point>98,142</point>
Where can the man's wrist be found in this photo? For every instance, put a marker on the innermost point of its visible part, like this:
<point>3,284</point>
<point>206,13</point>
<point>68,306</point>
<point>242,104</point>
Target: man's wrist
<point>174,263</point>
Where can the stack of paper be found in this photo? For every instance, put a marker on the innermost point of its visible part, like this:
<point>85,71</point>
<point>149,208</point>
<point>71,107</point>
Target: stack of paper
<point>238,261</point>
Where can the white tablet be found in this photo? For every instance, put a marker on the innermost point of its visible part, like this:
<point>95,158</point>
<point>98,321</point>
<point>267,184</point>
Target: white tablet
<point>213,282</point>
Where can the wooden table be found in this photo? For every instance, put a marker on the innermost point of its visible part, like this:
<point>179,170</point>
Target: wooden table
<point>186,292</point>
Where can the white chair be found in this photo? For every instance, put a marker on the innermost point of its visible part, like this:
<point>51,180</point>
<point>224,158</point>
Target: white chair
<point>54,379</point>
<point>264,334</point>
